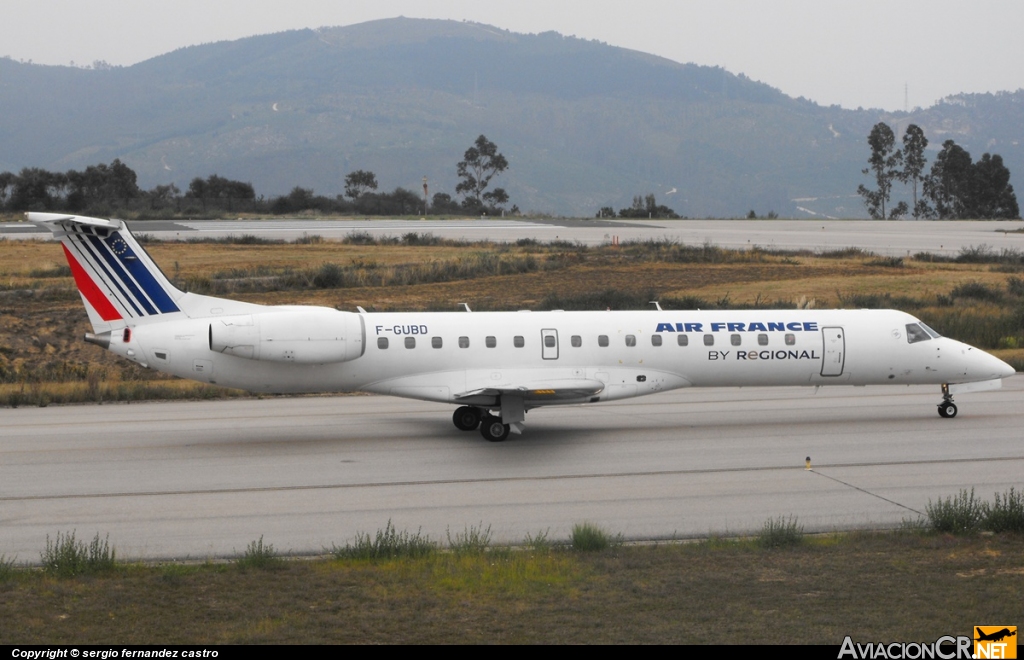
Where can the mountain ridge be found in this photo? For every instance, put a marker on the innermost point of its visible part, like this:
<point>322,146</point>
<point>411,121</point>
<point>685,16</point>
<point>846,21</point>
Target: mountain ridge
<point>584,124</point>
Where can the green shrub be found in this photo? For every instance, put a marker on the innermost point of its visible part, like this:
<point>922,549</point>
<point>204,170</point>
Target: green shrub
<point>1006,514</point>
<point>67,557</point>
<point>780,533</point>
<point>960,514</point>
<point>587,537</point>
<point>387,544</point>
<point>258,555</point>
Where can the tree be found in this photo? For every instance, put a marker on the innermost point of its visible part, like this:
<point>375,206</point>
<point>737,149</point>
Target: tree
<point>479,165</point>
<point>359,182</point>
<point>914,144</point>
<point>885,162</point>
<point>993,196</point>
<point>948,184</point>
<point>220,190</point>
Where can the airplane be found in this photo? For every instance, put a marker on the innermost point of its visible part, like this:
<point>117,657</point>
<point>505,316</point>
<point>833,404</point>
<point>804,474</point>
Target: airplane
<point>495,366</point>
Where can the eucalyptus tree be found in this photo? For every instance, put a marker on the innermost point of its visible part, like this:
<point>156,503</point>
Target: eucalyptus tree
<point>885,163</point>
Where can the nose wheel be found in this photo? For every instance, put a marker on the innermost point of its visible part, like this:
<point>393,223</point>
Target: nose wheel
<point>947,409</point>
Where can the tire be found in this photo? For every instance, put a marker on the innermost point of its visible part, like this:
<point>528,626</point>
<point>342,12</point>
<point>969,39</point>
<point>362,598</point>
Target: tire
<point>948,410</point>
<point>466,418</point>
<point>493,430</point>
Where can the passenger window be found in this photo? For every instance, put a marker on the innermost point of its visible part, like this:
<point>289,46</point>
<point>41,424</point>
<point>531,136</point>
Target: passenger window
<point>382,342</point>
<point>709,340</point>
<point>790,339</point>
<point>683,340</point>
<point>602,340</point>
<point>463,342</point>
<point>435,342</point>
<point>655,340</point>
<point>736,340</point>
<point>518,341</point>
<point>916,333</point>
<point>576,341</point>
<point>630,340</point>
<point>491,342</point>
<point>410,342</point>
<point>762,340</point>
<point>549,341</point>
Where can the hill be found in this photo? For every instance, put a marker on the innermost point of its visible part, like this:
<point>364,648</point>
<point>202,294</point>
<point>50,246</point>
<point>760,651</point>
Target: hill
<point>583,124</point>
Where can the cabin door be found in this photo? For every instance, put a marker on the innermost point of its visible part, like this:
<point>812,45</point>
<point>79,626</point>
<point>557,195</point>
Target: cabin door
<point>549,344</point>
<point>834,351</point>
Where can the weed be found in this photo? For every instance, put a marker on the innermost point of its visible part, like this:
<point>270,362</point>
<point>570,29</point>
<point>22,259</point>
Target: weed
<point>538,542</point>
<point>913,525</point>
<point>6,569</point>
<point>780,532</point>
<point>1006,514</point>
<point>258,555</point>
<point>471,540</point>
<point>67,557</point>
<point>588,537</point>
<point>309,239</point>
<point>387,544</point>
<point>960,514</point>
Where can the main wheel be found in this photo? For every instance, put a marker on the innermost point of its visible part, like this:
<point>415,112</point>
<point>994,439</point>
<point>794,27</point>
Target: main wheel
<point>947,409</point>
<point>493,430</point>
<point>466,418</point>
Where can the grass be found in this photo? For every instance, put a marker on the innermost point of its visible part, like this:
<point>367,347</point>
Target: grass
<point>259,556</point>
<point>780,532</point>
<point>869,586</point>
<point>964,513</point>
<point>1006,513</point>
<point>388,543</point>
<point>6,569</point>
<point>588,537</point>
<point>67,557</point>
<point>472,540</point>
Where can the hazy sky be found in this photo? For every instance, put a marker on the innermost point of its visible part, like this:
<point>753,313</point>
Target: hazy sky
<point>853,53</point>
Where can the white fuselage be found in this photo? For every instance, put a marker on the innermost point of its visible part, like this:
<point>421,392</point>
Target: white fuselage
<point>447,357</point>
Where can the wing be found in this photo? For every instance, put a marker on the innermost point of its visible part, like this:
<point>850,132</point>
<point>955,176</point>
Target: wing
<point>537,392</point>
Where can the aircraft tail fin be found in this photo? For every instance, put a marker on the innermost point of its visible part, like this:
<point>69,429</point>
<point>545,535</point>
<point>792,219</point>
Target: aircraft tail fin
<point>119,282</point>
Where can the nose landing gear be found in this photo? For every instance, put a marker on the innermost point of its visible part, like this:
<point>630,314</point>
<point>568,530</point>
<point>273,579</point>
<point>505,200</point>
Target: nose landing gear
<point>947,409</point>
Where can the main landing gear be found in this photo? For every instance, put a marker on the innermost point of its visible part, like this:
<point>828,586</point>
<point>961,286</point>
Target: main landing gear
<point>469,418</point>
<point>947,409</point>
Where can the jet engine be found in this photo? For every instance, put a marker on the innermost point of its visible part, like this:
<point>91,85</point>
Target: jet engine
<point>299,335</point>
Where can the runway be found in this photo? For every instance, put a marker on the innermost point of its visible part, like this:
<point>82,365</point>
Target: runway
<point>891,238</point>
<point>203,479</point>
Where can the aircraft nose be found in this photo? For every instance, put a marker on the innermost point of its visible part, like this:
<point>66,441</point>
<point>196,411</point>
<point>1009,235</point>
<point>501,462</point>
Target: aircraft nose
<point>984,365</point>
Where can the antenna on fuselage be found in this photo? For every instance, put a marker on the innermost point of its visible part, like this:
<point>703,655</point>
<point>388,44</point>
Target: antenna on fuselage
<point>466,306</point>
<point>657,305</point>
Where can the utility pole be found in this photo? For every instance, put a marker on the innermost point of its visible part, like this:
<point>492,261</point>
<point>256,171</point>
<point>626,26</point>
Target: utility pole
<point>425,194</point>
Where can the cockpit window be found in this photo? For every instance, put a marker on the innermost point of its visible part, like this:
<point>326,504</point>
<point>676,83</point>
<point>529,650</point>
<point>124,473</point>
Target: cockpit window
<point>931,332</point>
<point>916,333</point>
